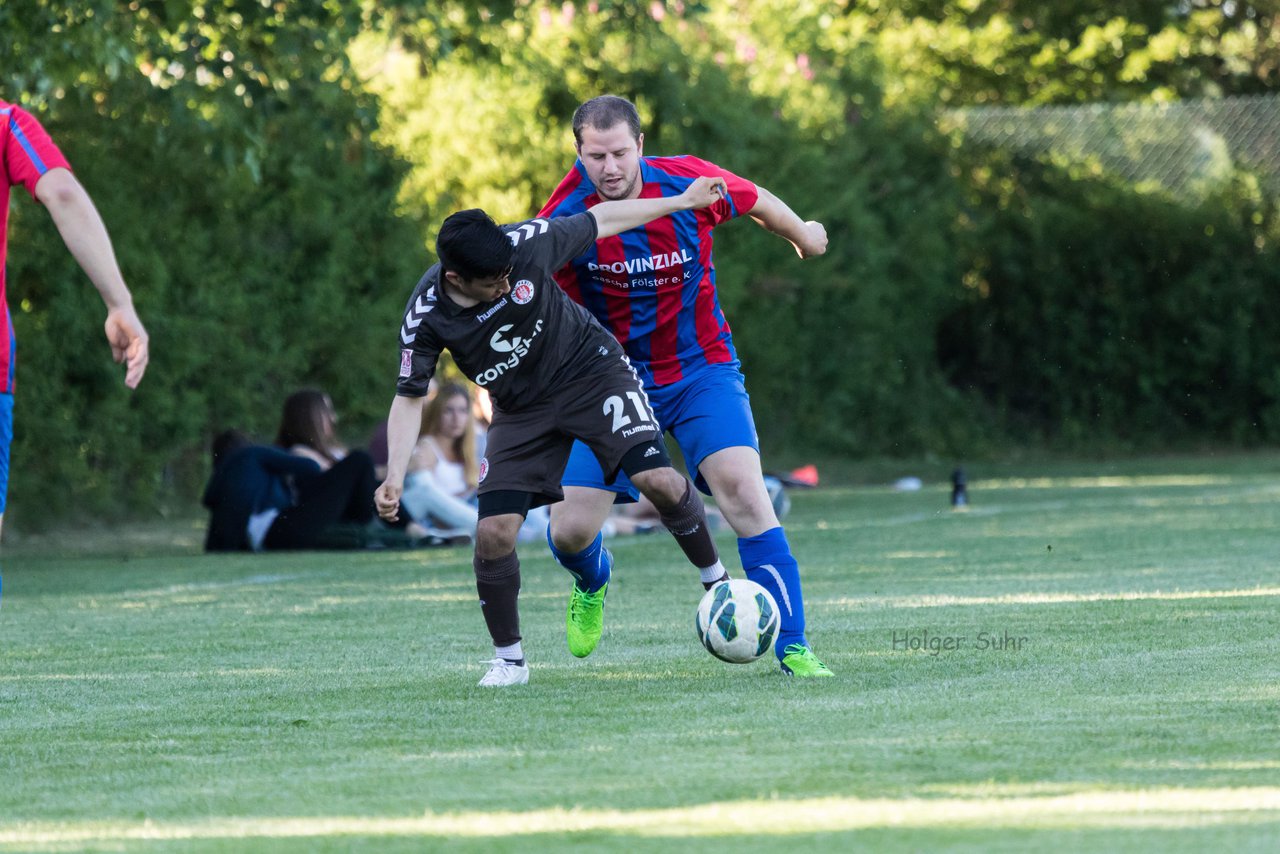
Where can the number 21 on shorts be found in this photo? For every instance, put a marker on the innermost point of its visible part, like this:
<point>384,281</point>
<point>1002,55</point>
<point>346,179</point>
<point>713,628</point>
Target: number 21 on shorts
<point>616,407</point>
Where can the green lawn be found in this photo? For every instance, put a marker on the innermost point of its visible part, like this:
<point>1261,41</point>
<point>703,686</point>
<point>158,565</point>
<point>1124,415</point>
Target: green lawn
<point>153,698</point>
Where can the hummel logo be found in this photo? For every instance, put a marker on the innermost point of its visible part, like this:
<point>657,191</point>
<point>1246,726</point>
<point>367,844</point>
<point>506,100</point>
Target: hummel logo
<point>528,229</point>
<point>651,452</point>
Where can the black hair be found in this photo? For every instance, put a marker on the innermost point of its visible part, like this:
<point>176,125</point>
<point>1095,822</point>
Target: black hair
<point>227,443</point>
<point>603,113</point>
<point>471,245</point>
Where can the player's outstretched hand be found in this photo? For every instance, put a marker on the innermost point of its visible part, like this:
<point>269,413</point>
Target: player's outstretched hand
<point>815,240</point>
<point>387,499</point>
<point>705,191</point>
<point>129,343</point>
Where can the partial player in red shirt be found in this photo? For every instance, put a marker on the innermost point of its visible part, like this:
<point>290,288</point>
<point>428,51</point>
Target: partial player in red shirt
<point>654,288</point>
<point>29,158</point>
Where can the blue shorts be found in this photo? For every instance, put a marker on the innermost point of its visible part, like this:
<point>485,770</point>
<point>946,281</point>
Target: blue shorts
<point>705,412</point>
<point>6,439</point>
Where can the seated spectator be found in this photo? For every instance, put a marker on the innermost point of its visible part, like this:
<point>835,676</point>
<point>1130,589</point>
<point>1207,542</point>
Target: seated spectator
<point>308,428</point>
<point>265,498</point>
<point>444,470</point>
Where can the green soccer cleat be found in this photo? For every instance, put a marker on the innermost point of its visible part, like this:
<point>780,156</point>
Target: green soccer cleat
<point>585,620</point>
<point>800,661</point>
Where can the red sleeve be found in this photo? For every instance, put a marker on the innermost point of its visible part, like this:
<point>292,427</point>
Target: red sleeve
<point>557,206</point>
<point>743,194</point>
<point>28,151</point>
<point>567,185</point>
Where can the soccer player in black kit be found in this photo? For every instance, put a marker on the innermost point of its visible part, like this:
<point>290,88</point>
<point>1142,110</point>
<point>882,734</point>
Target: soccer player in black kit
<point>555,375</point>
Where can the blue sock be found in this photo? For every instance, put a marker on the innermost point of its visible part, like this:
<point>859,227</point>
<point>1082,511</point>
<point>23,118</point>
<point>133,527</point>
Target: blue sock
<point>767,560</point>
<point>589,567</point>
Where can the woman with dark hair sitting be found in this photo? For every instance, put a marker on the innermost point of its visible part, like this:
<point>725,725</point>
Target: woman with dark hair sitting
<point>263,498</point>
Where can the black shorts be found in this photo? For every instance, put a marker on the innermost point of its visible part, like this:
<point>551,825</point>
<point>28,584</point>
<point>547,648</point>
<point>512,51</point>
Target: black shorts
<point>526,450</point>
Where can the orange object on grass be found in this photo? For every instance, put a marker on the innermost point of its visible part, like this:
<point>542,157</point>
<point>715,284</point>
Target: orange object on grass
<point>806,474</point>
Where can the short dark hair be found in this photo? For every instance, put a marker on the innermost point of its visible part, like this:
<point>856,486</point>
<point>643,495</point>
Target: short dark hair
<point>227,443</point>
<point>471,245</point>
<point>603,113</point>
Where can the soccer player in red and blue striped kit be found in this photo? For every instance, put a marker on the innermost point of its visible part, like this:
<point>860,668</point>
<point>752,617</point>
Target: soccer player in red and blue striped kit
<point>654,288</point>
<point>28,157</point>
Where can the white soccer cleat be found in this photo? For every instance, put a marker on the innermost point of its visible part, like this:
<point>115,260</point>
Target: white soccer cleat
<point>503,673</point>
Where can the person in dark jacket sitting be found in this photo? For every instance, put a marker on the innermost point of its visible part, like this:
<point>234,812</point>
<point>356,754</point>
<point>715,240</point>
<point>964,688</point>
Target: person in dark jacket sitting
<point>264,498</point>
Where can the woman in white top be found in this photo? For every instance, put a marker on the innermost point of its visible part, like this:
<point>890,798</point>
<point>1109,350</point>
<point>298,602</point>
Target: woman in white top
<point>444,470</point>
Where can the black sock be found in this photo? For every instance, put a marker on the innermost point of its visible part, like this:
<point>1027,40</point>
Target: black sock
<point>498,583</point>
<point>688,524</point>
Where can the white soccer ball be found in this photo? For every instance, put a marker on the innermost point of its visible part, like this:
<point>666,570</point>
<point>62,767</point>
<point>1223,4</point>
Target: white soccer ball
<point>737,621</point>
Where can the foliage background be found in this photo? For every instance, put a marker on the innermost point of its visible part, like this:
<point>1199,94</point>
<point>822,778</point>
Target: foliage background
<point>271,174</point>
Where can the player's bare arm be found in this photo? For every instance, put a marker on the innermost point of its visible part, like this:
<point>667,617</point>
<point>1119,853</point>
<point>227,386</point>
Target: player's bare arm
<point>771,213</point>
<point>616,217</point>
<point>86,238</point>
<point>403,425</point>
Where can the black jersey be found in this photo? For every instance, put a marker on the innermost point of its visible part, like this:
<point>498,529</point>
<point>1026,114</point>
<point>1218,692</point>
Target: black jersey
<point>522,345</point>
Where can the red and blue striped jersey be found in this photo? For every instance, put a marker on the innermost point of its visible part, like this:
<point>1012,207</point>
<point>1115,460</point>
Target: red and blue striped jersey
<point>26,153</point>
<point>654,287</point>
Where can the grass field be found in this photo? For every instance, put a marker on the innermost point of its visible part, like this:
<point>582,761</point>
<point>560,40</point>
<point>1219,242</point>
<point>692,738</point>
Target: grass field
<point>153,698</point>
